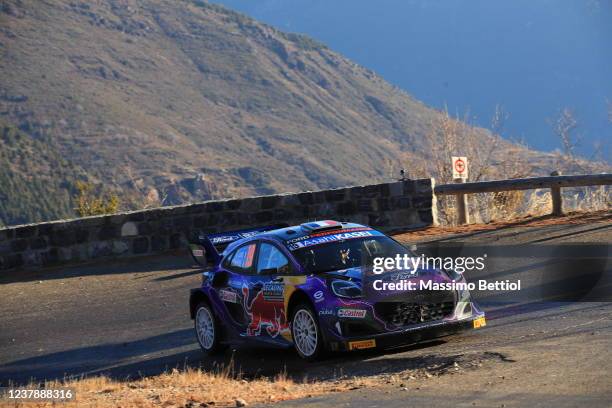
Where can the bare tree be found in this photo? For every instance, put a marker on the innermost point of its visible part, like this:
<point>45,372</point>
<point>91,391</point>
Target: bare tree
<point>598,151</point>
<point>457,137</point>
<point>454,136</point>
<point>498,121</point>
<point>564,127</point>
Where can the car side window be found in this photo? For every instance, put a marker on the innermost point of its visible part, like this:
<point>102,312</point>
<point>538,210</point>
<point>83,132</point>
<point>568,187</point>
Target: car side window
<point>241,260</point>
<point>272,261</point>
<point>227,260</point>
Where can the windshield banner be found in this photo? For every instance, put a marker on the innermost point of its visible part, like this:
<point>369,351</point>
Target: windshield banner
<point>340,236</point>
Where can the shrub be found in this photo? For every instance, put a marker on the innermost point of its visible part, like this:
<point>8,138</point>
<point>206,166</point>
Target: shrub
<point>88,203</point>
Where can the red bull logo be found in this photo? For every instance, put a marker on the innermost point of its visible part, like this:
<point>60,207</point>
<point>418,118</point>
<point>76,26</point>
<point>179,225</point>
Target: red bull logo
<point>264,312</point>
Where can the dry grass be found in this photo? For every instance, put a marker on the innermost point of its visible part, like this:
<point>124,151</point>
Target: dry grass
<point>193,388</point>
<point>512,205</point>
<point>485,208</point>
<point>588,198</point>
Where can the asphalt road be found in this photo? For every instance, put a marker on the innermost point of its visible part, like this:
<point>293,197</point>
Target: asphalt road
<point>127,319</point>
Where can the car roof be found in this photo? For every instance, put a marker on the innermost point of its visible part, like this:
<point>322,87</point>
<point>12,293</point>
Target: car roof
<point>297,231</point>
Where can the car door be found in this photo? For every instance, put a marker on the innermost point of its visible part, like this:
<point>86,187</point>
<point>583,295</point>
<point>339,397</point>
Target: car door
<point>266,303</point>
<point>234,290</point>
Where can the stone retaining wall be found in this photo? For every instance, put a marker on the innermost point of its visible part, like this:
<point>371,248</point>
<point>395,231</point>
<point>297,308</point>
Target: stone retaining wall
<point>392,206</point>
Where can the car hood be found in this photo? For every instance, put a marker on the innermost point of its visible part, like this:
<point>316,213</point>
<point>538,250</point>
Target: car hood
<point>366,278</point>
<point>357,274</point>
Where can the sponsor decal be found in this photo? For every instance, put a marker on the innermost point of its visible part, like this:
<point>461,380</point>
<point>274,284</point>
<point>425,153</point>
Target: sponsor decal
<point>480,322</point>
<point>326,312</point>
<point>222,239</point>
<point>273,291</point>
<point>228,296</point>
<point>197,252</point>
<point>318,296</point>
<point>352,313</point>
<point>249,234</point>
<point>323,233</point>
<point>330,238</point>
<point>265,317</point>
<point>362,344</point>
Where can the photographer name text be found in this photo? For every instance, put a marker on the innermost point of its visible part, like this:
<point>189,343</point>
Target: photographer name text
<point>482,284</point>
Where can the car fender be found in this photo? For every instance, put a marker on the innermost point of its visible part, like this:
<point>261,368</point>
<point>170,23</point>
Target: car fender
<point>197,296</point>
<point>307,295</point>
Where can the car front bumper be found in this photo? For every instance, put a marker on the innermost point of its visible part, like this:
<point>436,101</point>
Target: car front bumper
<point>412,335</point>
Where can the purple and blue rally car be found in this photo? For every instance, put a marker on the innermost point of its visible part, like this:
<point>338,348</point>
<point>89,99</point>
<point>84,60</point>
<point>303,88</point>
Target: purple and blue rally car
<point>307,287</point>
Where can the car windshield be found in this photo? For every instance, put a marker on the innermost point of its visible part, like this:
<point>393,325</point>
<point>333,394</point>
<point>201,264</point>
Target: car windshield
<point>350,253</point>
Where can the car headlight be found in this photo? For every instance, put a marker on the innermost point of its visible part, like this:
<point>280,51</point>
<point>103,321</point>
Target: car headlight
<point>346,289</point>
<point>464,295</point>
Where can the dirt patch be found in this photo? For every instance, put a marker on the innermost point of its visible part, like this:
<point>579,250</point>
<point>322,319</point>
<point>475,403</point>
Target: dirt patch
<point>429,366</point>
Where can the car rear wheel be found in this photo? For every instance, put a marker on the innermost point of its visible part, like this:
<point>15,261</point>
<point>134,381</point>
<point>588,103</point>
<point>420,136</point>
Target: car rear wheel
<point>306,333</point>
<point>207,329</point>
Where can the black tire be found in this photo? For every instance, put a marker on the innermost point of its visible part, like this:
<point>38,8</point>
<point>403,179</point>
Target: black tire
<point>209,346</point>
<point>306,353</point>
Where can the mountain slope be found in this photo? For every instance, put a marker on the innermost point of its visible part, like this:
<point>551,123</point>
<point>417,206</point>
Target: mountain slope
<point>27,195</point>
<point>181,101</point>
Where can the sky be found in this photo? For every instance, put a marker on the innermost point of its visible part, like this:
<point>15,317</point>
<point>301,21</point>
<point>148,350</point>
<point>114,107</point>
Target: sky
<point>531,57</point>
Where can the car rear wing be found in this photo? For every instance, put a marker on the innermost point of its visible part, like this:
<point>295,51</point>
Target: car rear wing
<point>206,249</point>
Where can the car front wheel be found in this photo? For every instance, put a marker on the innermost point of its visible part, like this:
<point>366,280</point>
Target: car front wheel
<point>306,333</point>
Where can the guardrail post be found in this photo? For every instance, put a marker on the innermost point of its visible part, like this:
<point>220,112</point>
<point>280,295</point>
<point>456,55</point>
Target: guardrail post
<point>462,207</point>
<point>555,194</point>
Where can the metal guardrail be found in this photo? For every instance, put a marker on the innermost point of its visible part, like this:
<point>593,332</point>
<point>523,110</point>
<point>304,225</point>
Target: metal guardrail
<point>525,184</point>
<point>554,182</point>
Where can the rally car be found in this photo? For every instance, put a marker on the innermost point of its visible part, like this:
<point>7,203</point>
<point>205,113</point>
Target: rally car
<point>308,287</point>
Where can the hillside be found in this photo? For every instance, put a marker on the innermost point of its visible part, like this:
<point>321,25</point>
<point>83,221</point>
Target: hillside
<point>26,195</point>
<point>470,55</point>
<point>171,102</point>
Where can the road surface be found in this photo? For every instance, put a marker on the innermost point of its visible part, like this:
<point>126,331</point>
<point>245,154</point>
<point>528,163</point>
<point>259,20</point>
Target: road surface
<point>127,319</point>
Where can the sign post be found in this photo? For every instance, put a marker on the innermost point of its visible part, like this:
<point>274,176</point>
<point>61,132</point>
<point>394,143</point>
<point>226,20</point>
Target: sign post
<point>555,194</point>
<point>460,175</point>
